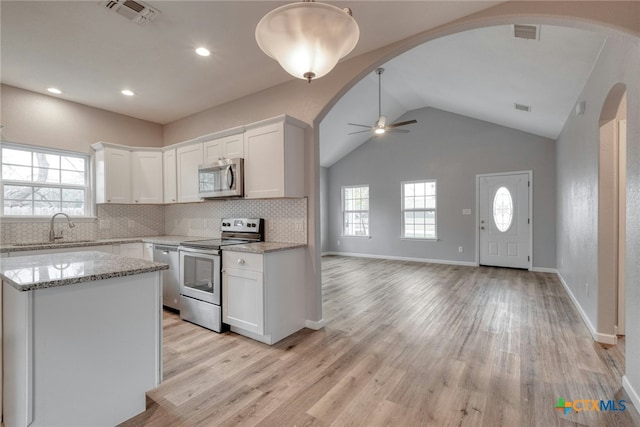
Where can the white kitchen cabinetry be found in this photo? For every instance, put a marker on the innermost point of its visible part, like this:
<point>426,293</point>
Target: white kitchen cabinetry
<point>146,176</point>
<point>228,147</point>
<point>170,176</point>
<point>147,251</point>
<point>264,294</point>
<point>274,159</point>
<point>188,158</point>
<point>131,250</point>
<point>113,175</point>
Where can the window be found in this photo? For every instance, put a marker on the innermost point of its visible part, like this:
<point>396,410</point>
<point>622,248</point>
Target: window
<point>419,209</point>
<point>503,209</point>
<point>38,182</point>
<point>355,211</point>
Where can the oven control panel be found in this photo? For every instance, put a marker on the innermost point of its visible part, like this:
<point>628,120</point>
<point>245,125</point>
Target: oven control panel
<point>253,225</point>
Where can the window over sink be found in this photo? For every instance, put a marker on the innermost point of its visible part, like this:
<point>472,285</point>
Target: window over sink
<point>39,181</point>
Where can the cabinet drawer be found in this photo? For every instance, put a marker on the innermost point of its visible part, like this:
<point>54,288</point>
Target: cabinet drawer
<point>242,261</point>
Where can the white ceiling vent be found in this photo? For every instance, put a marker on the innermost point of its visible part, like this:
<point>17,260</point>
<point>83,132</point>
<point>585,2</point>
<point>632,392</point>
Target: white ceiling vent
<point>527,32</point>
<point>135,11</point>
<point>522,107</point>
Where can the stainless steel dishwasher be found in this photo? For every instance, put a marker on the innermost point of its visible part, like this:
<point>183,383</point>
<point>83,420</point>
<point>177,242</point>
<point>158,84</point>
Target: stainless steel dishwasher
<point>171,277</point>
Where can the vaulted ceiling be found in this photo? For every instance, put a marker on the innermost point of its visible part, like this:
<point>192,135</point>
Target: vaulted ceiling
<point>481,74</point>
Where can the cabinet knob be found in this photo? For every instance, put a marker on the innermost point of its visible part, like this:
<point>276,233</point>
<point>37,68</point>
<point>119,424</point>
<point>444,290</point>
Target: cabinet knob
<point>109,201</point>
<point>136,201</point>
<point>240,261</point>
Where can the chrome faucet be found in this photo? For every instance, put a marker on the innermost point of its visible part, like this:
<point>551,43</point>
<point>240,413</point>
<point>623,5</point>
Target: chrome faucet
<point>52,234</point>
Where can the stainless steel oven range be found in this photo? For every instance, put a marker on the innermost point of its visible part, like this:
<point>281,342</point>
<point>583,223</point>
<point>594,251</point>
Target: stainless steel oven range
<point>200,271</point>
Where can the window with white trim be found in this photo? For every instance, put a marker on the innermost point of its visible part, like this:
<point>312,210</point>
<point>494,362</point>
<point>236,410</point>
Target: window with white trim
<point>39,181</point>
<point>419,209</point>
<point>355,210</point>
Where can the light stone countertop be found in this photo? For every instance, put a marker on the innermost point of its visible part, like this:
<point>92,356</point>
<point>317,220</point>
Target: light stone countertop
<point>258,247</point>
<point>28,273</point>
<point>263,247</point>
<point>164,240</point>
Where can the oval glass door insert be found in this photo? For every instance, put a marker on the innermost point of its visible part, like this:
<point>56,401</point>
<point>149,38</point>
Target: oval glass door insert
<point>503,209</point>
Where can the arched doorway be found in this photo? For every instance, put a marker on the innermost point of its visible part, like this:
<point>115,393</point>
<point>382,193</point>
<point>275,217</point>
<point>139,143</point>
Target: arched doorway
<point>612,213</point>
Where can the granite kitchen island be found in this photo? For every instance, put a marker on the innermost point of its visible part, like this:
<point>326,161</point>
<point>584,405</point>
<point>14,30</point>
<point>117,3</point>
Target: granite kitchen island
<point>82,338</point>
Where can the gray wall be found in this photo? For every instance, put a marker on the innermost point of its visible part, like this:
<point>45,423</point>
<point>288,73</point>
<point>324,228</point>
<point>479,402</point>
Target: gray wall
<point>577,218</point>
<point>451,149</point>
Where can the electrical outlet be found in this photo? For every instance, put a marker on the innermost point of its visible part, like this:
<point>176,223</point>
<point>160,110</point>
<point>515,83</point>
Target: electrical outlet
<point>338,242</point>
<point>298,226</point>
<point>131,223</point>
<point>460,249</point>
<point>466,212</point>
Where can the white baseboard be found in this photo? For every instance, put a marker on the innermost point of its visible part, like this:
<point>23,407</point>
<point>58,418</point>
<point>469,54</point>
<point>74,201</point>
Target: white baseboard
<point>633,394</point>
<point>315,325</point>
<point>597,336</point>
<point>400,258</point>
<point>545,270</point>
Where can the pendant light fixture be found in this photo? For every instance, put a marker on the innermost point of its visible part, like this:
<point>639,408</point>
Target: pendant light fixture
<point>307,38</point>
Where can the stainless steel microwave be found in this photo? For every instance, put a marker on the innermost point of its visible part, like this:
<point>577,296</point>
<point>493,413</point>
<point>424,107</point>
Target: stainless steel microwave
<point>223,178</point>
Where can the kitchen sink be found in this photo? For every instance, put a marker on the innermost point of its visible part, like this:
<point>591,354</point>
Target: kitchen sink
<point>53,243</point>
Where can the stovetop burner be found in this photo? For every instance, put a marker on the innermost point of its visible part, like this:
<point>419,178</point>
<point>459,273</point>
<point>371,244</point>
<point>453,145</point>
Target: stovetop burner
<point>212,243</point>
<point>235,231</point>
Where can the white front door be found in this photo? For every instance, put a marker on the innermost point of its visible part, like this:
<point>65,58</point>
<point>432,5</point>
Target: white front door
<point>504,220</point>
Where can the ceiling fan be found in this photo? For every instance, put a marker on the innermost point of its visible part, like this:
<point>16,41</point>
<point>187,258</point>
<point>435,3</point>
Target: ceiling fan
<point>380,127</point>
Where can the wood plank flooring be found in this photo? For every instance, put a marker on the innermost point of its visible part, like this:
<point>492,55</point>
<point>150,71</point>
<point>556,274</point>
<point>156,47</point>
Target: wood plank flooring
<point>406,344</point>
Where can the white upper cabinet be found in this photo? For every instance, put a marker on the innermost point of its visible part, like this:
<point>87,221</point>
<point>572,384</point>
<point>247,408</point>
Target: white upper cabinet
<point>188,158</point>
<point>274,159</point>
<point>170,176</point>
<point>228,147</point>
<point>146,174</point>
<point>113,175</point>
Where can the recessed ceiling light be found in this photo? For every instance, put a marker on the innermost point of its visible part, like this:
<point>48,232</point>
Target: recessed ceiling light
<point>203,51</point>
<point>54,90</point>
<point>127,92</point>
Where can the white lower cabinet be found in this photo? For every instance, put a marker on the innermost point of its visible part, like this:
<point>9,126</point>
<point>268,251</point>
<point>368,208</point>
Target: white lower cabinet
<point>131,250</point>
<point>264,294</point>
<point>147,251</point>
<point>243,304</point>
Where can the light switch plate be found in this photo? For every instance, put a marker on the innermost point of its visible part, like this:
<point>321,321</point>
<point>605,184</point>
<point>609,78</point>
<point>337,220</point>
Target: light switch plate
<point>466,211</point>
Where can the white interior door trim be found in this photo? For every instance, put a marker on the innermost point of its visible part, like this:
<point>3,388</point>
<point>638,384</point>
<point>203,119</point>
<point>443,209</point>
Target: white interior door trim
<point>482,175</point>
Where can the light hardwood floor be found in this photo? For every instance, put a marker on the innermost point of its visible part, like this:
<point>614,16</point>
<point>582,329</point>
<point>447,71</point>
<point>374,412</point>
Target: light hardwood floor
<point>406,344</point>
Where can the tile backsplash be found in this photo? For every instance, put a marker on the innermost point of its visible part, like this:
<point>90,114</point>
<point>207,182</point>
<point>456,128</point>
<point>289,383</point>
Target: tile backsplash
<point>285,221</point>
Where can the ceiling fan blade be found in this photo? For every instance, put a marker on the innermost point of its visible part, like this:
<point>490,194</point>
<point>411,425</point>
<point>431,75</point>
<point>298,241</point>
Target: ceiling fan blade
<point>362,126</point>
<point>397,131</point>
<point>360,131</point>
<point>395,125</point>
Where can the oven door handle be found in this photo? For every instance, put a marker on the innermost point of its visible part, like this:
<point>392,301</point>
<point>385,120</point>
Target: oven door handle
<point>199,251</point>
<point>229,173</point>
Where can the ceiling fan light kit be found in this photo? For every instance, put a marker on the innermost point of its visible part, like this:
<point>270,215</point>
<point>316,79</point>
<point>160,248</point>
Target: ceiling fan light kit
<point>307,38</point>
<point>380,127</point>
